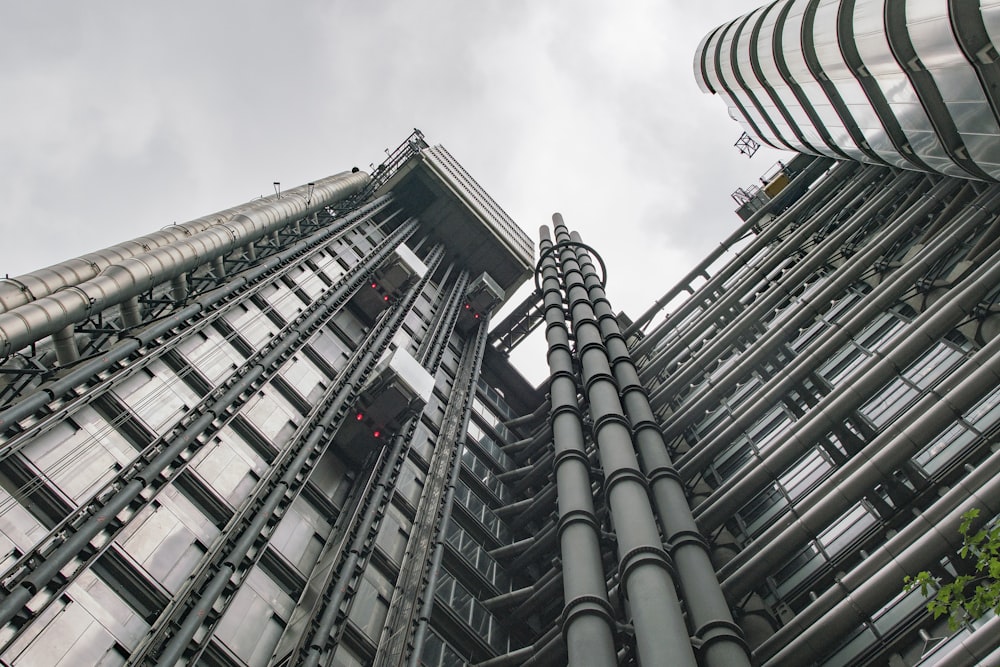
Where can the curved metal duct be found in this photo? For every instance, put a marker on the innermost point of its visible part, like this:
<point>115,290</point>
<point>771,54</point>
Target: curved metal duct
<point>134,275</point>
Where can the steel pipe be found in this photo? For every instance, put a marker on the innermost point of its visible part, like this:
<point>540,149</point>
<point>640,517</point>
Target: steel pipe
<point>15,292</point>
<point>873,304</point>
<point>588,619</point>
<point>979,648</point>
<point>207,302</point>
<point>728,301</point>
<point>477,349</point>
<point>721,642</point>
<point>879,578</point>
<point>930,326</point>
<point>899,443</point>
<point>134,275</point>
<point>752,318</point>
<point>64,341</point>
<point>840,172</point>
<point>646,571</point>
<point>849,272</point>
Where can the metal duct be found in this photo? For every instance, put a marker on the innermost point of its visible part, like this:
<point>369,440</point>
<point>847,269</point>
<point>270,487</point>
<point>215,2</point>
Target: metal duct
<point>203,304</point>
<point>133,276</point>
<point>647,574</point>
<point>721,641</point>
<point>23,289</point>
<point>587,618</point>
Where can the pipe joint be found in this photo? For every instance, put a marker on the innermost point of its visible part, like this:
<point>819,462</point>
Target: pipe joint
<point>607,419</point>
<point>685,538</point>
<point>645,425</point>
<point>596,376</point>
<point>562,373</point>
<point>645,554</point>
<point>566,454</point>
<point>586,605</point>
<point>663,472</point>
<point>604,314</point>
<point>586,344</point>
<point>557,346</point>
<point>623,475</point>
<point>577,516</point>
<point>718,631</point>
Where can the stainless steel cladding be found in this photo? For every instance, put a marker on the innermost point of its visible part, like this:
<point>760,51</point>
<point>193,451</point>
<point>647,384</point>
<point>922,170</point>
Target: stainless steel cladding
<point>132,275</point>
<point>908,83</point>
<point>20,290</point>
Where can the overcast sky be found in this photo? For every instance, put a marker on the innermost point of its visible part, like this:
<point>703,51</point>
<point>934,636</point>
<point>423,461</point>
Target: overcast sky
<point>123,117</point>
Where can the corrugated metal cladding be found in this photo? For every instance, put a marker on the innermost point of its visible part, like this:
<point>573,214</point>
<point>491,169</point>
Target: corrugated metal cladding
<point>913,84</point>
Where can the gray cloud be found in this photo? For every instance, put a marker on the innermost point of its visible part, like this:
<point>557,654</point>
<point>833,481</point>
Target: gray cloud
<point>121,118</point>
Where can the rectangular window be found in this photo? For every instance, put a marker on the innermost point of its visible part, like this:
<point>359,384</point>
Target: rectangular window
<point>273,416</point>
<point>329,347</point>
<point>304,377</point>
<point>157,395</point>
<point>67,634</point>
<point>161,540</point>
<point>230,466</point>
<point>300,535</point>
<point>81,454</point>
<point>256,618</point>
<point>371,603</point>
<point>251,324</point>
<point>283,301</point>
<point>213,356</point>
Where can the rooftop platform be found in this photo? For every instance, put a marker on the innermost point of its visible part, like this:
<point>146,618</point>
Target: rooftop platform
<point>458,212</point>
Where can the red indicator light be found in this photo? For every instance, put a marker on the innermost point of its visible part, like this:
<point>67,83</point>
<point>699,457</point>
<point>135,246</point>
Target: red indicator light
<point>467,306</point>
<point>374,285</point>
<point>360,416</point>
<point>477,316</point>
<point>385,298</point>
<point>377,433</point>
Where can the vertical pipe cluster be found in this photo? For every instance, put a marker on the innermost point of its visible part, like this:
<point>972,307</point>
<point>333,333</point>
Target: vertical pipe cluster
<point>588,620</point>
<point>722,642</point>
<point>645,568</point>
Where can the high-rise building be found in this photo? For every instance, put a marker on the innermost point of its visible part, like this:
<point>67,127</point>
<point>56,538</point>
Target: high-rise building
<point>289,433</point>
<point>908,84</point>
